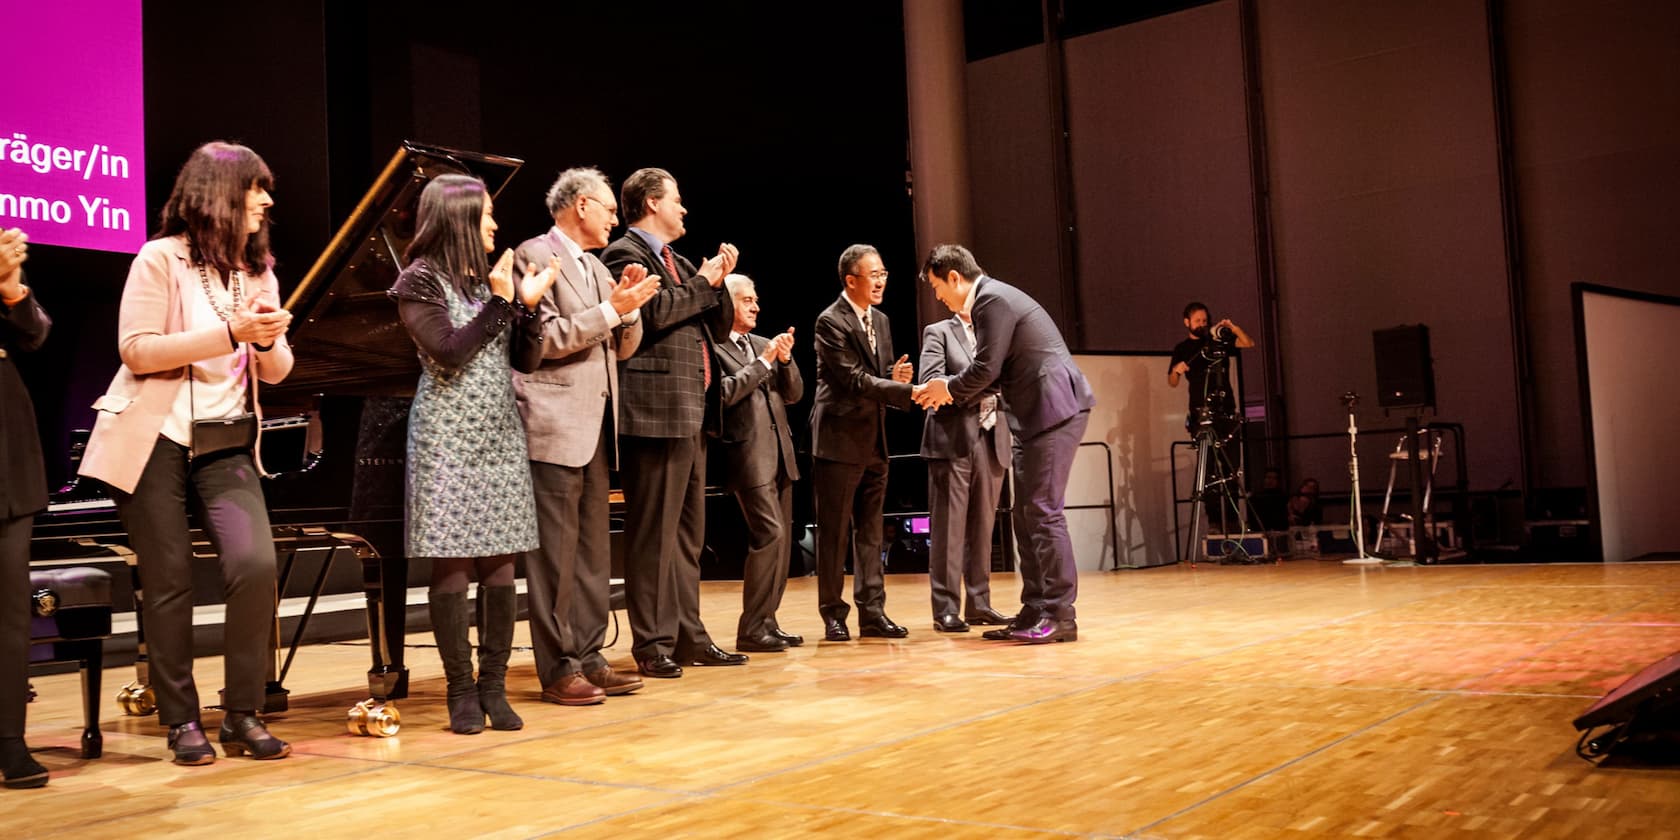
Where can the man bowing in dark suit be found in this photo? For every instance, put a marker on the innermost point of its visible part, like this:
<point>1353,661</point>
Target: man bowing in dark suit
<point>759,381</point>
<point>1019,350</point>
<point>967,448</point>
<point>856,381</point>
<point>569,403</point>
<point>670,392</point>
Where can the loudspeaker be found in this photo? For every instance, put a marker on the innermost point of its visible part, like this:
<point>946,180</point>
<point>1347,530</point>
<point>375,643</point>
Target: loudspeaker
<point>1405,372</point>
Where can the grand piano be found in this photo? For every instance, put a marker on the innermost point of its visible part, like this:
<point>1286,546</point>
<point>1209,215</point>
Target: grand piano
<point>334,435</point>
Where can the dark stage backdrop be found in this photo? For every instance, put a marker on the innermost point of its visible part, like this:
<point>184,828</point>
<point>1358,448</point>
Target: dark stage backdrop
<point>791,144</point>
<point>1451,163</point>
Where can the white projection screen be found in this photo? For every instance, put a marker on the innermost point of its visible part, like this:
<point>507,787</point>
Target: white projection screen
<point>1631,410</point>
<point>1138,416</point>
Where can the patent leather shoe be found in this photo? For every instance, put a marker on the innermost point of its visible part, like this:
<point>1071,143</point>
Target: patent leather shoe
<point>573,689</point>
<point>713,655</point>
<point>762,643</point>
<point>949,624</point>
<point>1047,630</point>
<point>883,628</point>
<point>1026,618</point>
<point>792,639</point>
<point>243,733</point>
<point>660,667</point>
<point>189,746</point>
<point>988,616</point>
<point>612,682</point>
<point>834,630</point>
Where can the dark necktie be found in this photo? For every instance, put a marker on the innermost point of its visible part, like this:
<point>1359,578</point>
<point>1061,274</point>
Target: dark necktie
<point>746,349</point>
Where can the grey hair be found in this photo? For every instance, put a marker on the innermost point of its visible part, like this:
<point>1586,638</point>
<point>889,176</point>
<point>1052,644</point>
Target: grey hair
<point>734,282</point>
<point>852,256</point>
<point>573,183</point>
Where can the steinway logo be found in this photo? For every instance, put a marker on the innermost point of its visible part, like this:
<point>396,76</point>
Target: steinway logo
<point>380,462</point>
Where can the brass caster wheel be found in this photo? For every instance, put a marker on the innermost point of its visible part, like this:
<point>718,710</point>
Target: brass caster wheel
<point>371,717</point>
<point>137,700</point>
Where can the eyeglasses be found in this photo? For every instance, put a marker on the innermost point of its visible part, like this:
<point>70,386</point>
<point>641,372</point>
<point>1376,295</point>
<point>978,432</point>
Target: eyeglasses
<point>873,275</point>
<point>610,208</point>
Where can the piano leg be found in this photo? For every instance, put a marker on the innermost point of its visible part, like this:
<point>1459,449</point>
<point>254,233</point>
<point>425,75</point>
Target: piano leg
<point>136,699</point>
<point>385,582</point>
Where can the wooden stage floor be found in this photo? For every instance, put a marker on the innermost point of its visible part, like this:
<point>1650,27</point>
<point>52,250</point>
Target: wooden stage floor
<point>1305,699</point>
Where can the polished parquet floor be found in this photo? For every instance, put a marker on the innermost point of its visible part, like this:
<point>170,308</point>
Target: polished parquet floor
<point>1306,699</point>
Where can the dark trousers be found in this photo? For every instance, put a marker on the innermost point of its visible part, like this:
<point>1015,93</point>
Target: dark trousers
<point>768,511</point>
<point>14,623</point>
<point>569,574</point>
<point>849,499</point>
<point>1049,575</point>
<point>227,496</point>
<point>962,498</point>
<point>665,520</point>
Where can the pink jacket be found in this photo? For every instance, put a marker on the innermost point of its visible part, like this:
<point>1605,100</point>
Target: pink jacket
<point>155,348</point>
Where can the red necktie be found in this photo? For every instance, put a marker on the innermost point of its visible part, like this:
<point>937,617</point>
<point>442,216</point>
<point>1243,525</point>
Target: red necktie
<point>705,352</point>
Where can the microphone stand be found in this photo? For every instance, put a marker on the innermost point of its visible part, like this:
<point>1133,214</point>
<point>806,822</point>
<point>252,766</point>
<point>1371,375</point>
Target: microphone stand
<point>1350,399</point>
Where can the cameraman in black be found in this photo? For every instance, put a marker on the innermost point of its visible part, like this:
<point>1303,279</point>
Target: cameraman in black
<point>1204,359</point>
<point>1207,349</point>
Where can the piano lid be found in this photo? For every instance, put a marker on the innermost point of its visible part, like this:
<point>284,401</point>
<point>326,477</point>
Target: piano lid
<point>345,334</point>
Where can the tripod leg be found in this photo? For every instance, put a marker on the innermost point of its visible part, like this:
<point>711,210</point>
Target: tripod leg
<point>1193,548</point>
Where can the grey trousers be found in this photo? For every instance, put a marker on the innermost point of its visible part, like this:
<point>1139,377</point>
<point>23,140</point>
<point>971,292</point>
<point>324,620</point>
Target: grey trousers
<point>962,496</point>
<point>768,511</point>
<point>665,519</point>
<point>569,574</point>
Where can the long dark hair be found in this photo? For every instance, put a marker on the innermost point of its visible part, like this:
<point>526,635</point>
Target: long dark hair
<point>208,205</point>
<point>446,232</point>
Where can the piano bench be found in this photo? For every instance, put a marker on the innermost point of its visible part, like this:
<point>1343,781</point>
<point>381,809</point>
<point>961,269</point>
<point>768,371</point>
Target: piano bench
<point>70,617</point>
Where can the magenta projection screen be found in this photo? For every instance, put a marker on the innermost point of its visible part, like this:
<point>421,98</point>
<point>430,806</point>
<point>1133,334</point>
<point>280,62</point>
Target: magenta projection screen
<point>72,135</point>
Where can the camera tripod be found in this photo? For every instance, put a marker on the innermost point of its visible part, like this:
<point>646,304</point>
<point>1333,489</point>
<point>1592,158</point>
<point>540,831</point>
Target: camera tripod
<point>1349,401</point>
<point>1219,483</point>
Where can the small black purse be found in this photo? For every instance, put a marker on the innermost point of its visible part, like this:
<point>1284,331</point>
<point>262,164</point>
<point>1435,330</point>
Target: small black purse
<point>223,434</point>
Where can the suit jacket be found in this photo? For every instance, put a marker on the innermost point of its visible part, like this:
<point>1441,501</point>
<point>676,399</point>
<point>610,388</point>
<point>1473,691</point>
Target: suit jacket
<point>1021,351</point>
<point>954,431</point>
<point>854,386</point>
<point>753,433</point>
<point>156,347</point>
<point>574,378</point>
<point>663,389</point>
<point>23,481</point>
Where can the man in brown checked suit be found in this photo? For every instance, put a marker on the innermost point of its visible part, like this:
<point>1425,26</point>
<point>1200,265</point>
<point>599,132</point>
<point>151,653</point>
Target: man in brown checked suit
<point>670,392</point>
<point>759,381</point>
<point>570,408</point>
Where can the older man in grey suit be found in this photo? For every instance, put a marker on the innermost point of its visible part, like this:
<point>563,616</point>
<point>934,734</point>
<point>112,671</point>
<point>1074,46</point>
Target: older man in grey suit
<point>759,381</point>
<point>1020,351</point>
<point>967,448</point>
<point>570,407</point>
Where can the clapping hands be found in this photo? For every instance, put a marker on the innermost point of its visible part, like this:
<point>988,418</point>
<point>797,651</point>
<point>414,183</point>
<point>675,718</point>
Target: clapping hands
<point>779,349</point>
<point>258,322</point>
<point>718,267</point>
<point>634,288</point>
<point>535,283</point>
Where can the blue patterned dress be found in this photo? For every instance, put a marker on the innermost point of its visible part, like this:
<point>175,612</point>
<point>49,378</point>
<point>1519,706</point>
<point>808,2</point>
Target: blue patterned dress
<point>469,476</point>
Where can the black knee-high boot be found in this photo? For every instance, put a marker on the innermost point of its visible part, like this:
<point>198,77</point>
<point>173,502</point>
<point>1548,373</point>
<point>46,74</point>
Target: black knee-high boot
<point>498,607</point>
<point>449,626</point>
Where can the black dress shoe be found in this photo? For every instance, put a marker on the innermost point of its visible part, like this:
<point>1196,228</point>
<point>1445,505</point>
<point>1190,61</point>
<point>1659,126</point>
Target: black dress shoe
<point>883,628</point>
<point>762,643</point>
<point>1026,618</point>
<point>661,666</point>
<point>792,639</point>
<point>188,746</point>
<point>988,616</point>
<point>1047,630</point>
<point>949,624</point>
<point>243,733</point>
<point>834,630</point>
<point>21,769</point>
<point>713,655</point>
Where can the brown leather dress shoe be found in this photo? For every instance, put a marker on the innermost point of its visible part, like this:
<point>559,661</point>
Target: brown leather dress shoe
<point>612,682</point>
<point>573,689</point>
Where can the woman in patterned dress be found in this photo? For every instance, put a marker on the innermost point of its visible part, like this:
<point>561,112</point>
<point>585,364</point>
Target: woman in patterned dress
<point>470,505</point>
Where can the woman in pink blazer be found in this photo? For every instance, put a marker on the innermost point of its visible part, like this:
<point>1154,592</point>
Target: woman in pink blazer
<point>200,327</point>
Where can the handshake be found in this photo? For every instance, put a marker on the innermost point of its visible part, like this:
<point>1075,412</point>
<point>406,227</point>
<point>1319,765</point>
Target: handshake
<point>931,394</point>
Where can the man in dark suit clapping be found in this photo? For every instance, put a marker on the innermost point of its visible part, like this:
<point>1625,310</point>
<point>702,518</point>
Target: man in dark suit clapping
<point>667,386</point>
<point>856,381</point>
<point>759,381</point>
<point>1020,351</point>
